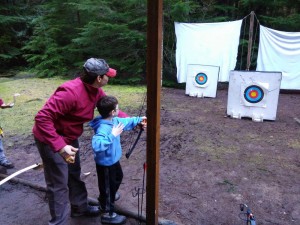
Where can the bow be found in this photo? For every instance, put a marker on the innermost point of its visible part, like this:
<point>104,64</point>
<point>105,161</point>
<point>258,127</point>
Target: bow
<point>128,153</point>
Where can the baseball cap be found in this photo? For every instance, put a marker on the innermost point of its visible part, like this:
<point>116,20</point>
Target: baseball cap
<point>96,67</point>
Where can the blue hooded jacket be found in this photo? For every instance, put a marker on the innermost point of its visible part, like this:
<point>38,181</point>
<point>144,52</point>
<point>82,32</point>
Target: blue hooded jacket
<point>107,148</point>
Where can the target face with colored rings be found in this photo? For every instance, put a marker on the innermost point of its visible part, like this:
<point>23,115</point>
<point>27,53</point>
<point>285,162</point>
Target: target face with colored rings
<point>201,78</point>
<point>253,94</point>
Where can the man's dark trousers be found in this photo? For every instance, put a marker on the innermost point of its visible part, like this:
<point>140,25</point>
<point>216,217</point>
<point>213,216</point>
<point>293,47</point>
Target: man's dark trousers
<point>63,183</point>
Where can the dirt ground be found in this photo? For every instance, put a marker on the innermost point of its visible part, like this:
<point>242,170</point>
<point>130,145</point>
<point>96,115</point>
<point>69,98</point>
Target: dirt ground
<point>209,164</point>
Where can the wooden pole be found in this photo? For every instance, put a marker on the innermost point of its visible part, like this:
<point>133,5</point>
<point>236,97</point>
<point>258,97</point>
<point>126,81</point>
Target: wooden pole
<point>250,40</point>
<point>154,65</point>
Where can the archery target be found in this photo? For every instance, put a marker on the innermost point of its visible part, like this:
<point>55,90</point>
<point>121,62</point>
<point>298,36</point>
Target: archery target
<point>202,80</point>
<point>253,94</point>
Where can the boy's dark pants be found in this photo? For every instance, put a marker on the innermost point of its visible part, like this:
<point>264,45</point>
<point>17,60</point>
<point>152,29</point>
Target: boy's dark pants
<point>63,183</point>
<point>109,181</point>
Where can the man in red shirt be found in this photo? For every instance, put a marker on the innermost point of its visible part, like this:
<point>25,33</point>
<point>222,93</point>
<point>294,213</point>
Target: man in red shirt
<point>58,125</point>
<point>3,159</point>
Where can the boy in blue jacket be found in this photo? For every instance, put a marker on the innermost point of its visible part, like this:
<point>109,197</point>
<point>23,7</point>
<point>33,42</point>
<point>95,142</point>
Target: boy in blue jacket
<point>107,153</point>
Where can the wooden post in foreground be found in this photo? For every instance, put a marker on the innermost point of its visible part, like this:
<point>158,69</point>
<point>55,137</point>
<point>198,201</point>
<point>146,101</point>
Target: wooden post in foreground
<point>250,41</point>
<point>154,65</point>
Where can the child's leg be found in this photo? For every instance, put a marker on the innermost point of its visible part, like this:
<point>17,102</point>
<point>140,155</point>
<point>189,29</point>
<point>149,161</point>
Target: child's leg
<point>112,177</point>
<point>119,176</point>
<point>109,181</point>
<point>102,183</point>
<point>2,155</point>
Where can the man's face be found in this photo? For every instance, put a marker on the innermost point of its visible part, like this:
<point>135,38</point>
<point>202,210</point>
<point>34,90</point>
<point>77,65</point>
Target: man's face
<point>103,80</point>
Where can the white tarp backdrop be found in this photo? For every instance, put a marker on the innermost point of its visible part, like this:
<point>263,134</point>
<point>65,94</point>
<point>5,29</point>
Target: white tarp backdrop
<point>280,51</point>
<point>213,44</point>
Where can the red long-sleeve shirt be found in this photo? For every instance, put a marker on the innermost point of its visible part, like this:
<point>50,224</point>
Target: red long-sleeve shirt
<point>61,119</point>
<point>1,101</point>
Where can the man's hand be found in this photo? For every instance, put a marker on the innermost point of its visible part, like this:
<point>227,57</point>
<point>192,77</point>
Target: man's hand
<point>68,153</point>
<point>5,106</point>
<point>117,130</point>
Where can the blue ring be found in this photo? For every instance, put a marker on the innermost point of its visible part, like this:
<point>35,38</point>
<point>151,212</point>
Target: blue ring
<point>197,78</point>
<point>259,91</point>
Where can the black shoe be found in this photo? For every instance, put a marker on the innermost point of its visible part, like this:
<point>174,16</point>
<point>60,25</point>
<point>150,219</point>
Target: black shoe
<point>90,211</point>
<point>7,164</point>
<point>113,218</point>
<point>93,203</point>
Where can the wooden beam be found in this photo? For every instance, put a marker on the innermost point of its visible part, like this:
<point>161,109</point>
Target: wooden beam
<point>250,40</point>
<point>154,65</point>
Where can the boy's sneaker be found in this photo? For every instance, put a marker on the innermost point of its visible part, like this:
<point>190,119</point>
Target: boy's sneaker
<point>7,164</point>
<point>117,196</point>
<point>113,218</point>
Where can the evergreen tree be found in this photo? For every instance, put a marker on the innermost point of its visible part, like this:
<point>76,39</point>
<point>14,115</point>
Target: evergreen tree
<point>64,34</point>
<point>117,34</point>
<point>47,51</point>
<point>14,30</point>
<point>278,14</point>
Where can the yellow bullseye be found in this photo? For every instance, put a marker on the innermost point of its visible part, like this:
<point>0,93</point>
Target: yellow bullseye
<point>253,94</point>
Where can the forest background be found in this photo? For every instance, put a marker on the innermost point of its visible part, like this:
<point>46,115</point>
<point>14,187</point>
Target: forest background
<point>54,38</point>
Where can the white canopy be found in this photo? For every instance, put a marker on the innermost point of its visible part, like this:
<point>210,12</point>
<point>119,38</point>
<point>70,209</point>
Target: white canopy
<point>214,44</point>
<point>280,51</point>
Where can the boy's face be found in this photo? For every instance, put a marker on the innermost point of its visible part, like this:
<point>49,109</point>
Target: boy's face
<point>116,110</point>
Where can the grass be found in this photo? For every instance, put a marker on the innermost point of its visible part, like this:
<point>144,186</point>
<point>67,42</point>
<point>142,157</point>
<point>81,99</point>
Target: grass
<point>229,185</point>
<point>34,92</point>
<point>294,144</point>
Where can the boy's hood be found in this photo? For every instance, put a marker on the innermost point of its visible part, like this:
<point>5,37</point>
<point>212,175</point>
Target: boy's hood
<point>95,123</point>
